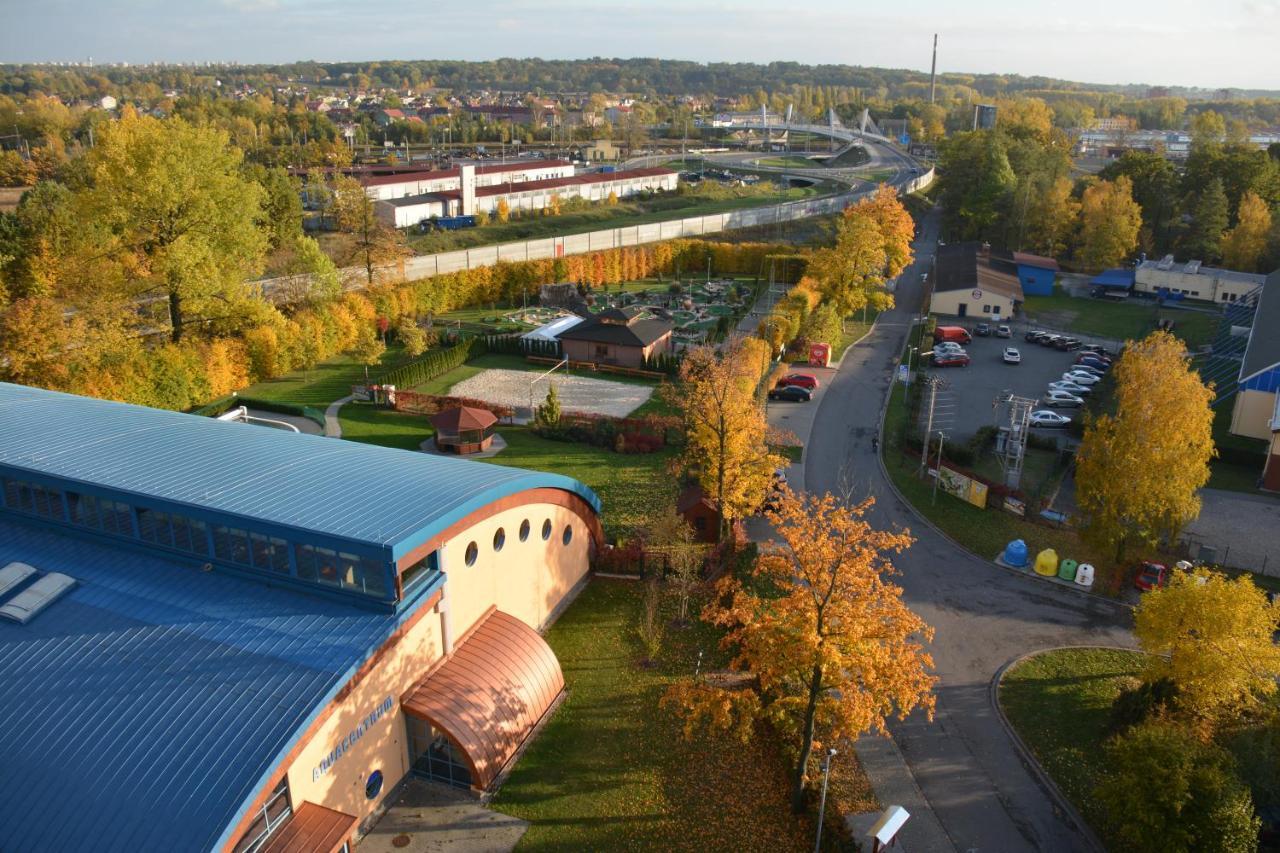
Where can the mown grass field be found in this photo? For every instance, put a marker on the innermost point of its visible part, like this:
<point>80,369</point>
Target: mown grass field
<point>612,771</point>
<point>1119,321</point>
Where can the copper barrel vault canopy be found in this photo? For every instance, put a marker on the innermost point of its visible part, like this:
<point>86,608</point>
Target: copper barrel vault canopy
<point>490,693</point>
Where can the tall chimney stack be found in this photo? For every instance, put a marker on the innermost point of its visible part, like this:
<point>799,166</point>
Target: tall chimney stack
<point>933,69</point>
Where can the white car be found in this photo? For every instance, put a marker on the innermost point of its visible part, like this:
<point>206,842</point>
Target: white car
<point>1049,420</point>
<point>1062,400</point>
<point>1078,368</point>
<point>1011,356</point>
<point>1080,377</point>
<point>948,347</point>
<point>1070,388</point>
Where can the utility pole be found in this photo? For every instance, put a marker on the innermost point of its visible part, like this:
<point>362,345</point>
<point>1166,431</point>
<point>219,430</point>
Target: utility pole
<point>928,430</point>
<point>933,70</point>
<point>941,437</point>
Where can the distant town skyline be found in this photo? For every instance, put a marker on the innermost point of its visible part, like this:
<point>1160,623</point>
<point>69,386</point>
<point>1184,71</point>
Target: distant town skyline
<point>1172,43</point>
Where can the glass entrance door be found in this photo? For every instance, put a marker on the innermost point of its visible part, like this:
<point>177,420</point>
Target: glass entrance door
<point>434,755</point>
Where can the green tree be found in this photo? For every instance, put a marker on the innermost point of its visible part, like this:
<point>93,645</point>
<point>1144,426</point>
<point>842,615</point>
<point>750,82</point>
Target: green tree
<point>547,415</point>
<point>369,348</point>
<point>1209,223</point>
<point>670,536</point>
<point>182,218</point>
<point>281,205</point>
<point>1139,471</point>
<point>411,336</point>
<point>976,183</point>
<point>1166,792</point>
<point>1110,221</point>
<point>314,278</point>
<point>1155,189</point>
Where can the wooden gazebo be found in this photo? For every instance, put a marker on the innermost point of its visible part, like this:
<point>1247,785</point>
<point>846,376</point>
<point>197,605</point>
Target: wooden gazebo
<point>463,430</point>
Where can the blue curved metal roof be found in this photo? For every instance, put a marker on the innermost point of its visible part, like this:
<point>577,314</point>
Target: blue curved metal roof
<point>145,709</point>
<point>377,496</point>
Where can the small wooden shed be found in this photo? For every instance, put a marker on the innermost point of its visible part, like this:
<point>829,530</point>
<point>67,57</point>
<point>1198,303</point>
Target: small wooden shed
<point>464,430</point>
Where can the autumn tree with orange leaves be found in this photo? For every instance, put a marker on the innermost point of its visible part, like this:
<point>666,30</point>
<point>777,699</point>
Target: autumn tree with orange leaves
<point>820,633</point>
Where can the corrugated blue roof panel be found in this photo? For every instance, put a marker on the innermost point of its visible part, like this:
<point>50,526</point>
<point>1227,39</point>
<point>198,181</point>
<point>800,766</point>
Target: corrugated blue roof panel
<point>373,495</point>
<point>142,710</point>
<point>1118,277</point>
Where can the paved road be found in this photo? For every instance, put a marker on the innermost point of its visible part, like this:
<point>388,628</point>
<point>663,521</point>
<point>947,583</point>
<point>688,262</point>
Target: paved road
<point>983,615</point>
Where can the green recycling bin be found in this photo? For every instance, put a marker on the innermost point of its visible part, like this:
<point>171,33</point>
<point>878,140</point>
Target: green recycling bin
<point>1067,569</point>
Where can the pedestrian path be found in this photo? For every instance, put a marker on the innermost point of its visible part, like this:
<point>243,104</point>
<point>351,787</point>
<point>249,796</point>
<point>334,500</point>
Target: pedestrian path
<point>333,426</point>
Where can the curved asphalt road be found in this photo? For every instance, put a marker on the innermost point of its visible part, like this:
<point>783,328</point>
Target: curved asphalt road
<point>963,762</point>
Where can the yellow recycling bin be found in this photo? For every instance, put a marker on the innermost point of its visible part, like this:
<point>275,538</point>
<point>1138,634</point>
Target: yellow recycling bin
<point>1047,562</point>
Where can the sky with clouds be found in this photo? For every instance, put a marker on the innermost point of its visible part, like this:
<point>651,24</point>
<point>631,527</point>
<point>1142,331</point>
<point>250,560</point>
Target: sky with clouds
<point>1226,43</point>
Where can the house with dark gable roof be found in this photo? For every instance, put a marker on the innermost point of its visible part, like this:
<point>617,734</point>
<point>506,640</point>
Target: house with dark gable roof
<point>627,337</point>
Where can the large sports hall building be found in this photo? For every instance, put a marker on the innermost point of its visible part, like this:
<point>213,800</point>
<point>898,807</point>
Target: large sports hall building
<point>229,638</point>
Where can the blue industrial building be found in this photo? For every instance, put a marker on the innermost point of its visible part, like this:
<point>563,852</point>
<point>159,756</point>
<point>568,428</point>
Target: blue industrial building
<point>237,591</point>
<point>1036,273</point>
<point>1115,280</point>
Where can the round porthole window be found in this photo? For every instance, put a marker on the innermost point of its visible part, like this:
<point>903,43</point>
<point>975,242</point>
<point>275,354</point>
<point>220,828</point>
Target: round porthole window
<point>546,529</point>
<point>499,539</point>
<point>373,785</point>
<point>567,536</point>
<point>473,551</point>
<point>524,530</point>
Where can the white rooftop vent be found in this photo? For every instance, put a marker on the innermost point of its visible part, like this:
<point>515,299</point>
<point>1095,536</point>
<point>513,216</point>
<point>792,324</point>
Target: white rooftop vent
<point>1192,267</point>
<point>13,576</point>
<point>1166,263</point>
<point>35,598</point>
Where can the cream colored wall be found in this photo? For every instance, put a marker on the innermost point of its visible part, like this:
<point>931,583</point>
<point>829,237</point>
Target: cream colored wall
<point>1252,412</point>
<point>525,579</point>
<point>948,302</point>
<point>384,745</point>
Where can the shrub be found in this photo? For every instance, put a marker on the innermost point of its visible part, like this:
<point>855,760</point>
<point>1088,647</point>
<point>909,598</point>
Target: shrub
<point>1140,701</point>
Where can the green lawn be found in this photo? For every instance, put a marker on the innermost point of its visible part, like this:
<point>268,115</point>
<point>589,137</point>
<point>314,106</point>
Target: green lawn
<point>1060,704</point>
<point>789,161</point>
<point>328,381</point>
<point>1120,321</point>
<point>632,486</point>
<point>374,425</point>
<point>611,771</point>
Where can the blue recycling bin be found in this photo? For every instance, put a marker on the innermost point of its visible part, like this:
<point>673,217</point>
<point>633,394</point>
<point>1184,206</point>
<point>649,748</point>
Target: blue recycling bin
<point>1015,554</point>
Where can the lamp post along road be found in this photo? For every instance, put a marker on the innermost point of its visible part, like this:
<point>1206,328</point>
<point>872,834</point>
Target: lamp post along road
<point>822,807</point>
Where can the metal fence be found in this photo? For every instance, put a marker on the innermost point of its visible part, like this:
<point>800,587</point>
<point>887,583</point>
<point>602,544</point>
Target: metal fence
<point>425,266</point>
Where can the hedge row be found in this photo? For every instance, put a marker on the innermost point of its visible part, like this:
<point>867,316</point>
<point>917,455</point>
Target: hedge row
<point>433,364</point>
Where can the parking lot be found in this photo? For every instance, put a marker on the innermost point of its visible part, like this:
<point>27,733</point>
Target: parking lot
<point>967,401</point>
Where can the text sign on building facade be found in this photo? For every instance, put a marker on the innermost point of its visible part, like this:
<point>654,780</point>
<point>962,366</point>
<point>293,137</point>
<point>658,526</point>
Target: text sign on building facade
<point>352,738</point>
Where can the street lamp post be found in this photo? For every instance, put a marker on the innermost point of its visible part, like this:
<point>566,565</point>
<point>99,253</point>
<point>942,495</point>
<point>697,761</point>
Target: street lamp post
<point>822,807</point>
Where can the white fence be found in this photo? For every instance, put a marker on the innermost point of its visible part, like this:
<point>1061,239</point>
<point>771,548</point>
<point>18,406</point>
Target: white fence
<point>425,266</point>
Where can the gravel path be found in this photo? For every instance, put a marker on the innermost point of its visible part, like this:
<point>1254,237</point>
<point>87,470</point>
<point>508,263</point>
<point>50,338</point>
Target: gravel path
<point>577,393</point>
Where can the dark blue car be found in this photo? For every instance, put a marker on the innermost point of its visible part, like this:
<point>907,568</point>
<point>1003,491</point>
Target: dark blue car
<point>792,393</point>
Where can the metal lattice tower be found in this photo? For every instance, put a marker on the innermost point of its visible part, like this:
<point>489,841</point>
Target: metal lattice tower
<point>1013,448</point>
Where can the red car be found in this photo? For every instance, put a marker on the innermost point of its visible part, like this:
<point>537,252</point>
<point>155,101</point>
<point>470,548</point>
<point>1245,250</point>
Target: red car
<point>802,380</point>
<point>1151,576</point>
<point>957,359</point>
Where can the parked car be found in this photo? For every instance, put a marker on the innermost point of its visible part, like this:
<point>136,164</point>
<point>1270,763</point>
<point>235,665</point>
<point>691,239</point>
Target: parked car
<point>791,394</point>
<point>1045,419</point>
<point>1011,356</point>
<point>1048,339</point>
<point>955,334</point>
<point>1095,371</point>
<point>982,330</point>
<point>1033,336</point>
<point>1099,363</point>
<point>803,380</point>
<point>947,346</point>
<point>1068,344</point>
<point>951,359</point>
<point>1004,332</point>
<point>1151,575</point>
<point>1080,377</point>
<point>1062,400</point>
<point>1070,388</point>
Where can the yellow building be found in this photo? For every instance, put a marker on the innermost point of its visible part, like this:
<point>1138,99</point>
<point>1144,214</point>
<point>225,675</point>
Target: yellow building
<point>262,633</point>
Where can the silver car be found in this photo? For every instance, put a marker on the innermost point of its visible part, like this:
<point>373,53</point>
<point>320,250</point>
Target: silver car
<point>1070,388</point>
<point>1062,400</point>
